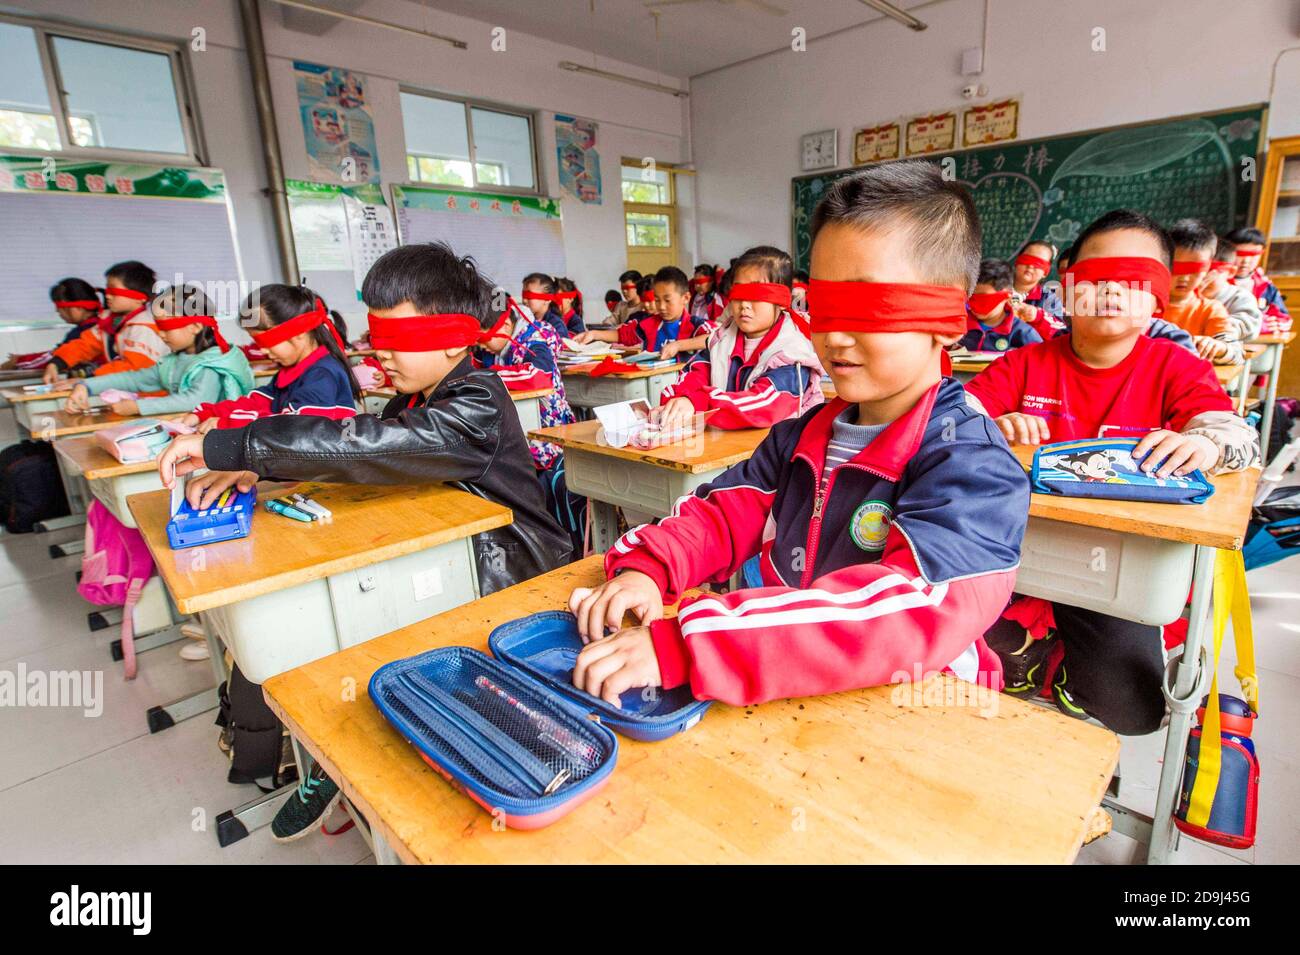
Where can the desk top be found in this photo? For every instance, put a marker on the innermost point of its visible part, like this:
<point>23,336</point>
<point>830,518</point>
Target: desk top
<point>529,395</point>
<point>59,424</point>
<point>1227,374</point>
<point>89,458</point>
<point>17,396</point>
<point>371,524</point>
<point>869,775</point>
<point>1278,338</point>
<point>1219,522</point>
<point>708,451</point>
<point>583,370</point>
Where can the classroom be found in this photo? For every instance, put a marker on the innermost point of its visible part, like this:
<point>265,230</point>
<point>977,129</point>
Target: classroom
<point>650,432</point>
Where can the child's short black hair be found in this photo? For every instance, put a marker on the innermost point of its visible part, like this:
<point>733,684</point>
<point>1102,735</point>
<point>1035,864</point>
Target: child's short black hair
<point>134,275</point>
<point>1118,219</point>
<point>673,276</point>
<point>801,275</point>
<point>433,279</point>
<point>73,290</point>
<point>995,272</point>
<point>613,297</point>
<point>631,275</point>
<point>563,284</point>
<point>1246,235</point>
<point>275,304</point>
<point>1043,242</point>
<point>1193,235</point>
<point>708,271</point>
<point>937,215</point>
<point>775,263</point>
<point>188,299</point>
<point>726,282</point>
<point>645,283</point>
<point>1066,257</point>
<point>547,282</point>
<point>1224,249</point>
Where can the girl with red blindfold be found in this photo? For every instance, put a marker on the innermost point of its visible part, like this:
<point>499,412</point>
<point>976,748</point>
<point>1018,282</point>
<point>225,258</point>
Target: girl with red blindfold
<point>292,325</point>
<point>200,366</point>
<point>125,337</point>
<point>706,304</point>
<point>1036,304</point>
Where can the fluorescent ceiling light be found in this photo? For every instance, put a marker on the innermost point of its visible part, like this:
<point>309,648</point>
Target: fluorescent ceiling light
<point>357,18</point>
<point>902,16</point>
<point>592,71</point>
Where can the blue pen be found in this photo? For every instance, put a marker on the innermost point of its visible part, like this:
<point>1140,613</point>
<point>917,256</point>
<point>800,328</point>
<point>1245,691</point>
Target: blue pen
<point>284,510</point>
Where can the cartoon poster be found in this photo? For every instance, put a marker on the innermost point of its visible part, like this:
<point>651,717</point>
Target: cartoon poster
<point>336,125</point>
<point>575,147</point>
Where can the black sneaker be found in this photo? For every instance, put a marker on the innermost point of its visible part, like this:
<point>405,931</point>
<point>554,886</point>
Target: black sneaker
<point>1024,666</point>
<point>1064,701</point>
<point>304,810</point>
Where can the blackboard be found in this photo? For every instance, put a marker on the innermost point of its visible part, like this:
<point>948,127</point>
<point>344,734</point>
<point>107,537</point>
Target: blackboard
<point>1051,188</point>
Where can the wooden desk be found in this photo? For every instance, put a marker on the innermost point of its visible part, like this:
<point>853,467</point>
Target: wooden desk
<point>584,391</point>
<point>527,403</point>
<point>1227,374</point>
<point>1271,365</point>
<point>863,776</point>
<point>648,481</point>
<point>31,407</point>
<point>1136,561</point>
<point>61,424</point>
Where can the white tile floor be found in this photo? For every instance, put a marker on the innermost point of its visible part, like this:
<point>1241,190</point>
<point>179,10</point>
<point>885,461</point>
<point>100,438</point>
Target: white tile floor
<point>75,789</point>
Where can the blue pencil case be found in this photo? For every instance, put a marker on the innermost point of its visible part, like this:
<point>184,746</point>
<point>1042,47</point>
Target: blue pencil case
<point>1104,468</point>
<point>510,730</point>
<point>189,527</point>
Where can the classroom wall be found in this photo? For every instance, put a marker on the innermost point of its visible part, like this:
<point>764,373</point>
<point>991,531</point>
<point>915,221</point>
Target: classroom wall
<point>1163,58</point>
<point>634,122</point>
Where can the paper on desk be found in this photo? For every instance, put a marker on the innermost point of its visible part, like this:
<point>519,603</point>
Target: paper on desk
<point>622,420</point>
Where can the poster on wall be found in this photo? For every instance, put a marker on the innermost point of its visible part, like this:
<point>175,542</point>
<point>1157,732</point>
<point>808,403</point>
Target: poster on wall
<point>339,229</point>
<point>932,133</point>
<point>990,123</point>
<point>371,229</point>
<point>876,143</point>
<point>336,124</point>
<point>579,162</point>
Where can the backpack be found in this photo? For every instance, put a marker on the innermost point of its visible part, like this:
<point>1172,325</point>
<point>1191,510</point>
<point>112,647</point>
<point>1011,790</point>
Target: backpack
<point>254,732</point>
<point>30,487</point>
<point>114,569</point>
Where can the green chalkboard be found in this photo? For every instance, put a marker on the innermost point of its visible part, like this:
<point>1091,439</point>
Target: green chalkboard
<point>1051,188</point>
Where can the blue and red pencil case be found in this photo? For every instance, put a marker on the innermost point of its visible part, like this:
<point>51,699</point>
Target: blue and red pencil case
<point>511,730</point>
<point>1104,468</point>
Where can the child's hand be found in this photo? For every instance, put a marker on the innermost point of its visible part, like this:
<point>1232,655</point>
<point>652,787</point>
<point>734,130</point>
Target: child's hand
<point>674,414</point>
<point>670,350</point>
<point>190,420</point>
<point>609,668</point>
<point>1211,349</point>
<point>79,401</point>
<point>582,338</point>
<point>1019,428</point>
<point>1181,453</point>
<point>183,455</point>
<point>207,424</point>
<point>1024,311</point>
<point>51,374</point>
<point>125,407</point>
<point>204,490</point>
<point>605,606</point>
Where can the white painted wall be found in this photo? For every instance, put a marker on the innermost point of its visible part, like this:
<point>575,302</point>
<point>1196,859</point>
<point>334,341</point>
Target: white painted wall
<point>1163,58</point>
<point>634,122</point>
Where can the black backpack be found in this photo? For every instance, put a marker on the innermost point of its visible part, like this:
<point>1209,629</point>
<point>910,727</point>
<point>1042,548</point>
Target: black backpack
<point>30,487</point>
<point>254,732</point>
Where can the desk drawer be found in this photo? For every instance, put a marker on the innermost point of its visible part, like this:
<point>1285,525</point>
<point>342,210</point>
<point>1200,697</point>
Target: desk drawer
<point>1134,578</point>
<point>588,392</point>
<point>643,487</point>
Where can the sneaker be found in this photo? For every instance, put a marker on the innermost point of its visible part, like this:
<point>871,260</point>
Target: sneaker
<point>304,810</point>
<point>1023,667</point>
<point>195,651</point>
<point>193,631</point>
<point>1064,701</point>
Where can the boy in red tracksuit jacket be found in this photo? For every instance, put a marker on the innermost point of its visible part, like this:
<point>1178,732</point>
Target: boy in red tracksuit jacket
<point>759,368</point>
<point>888,522</point>
<point>668,320</point>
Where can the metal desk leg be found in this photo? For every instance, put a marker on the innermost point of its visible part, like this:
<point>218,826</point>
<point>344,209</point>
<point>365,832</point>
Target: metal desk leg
<point>604,526</point>
<point>1187,690</point>
<point>384,854</point>
<point>1270,395</point>
<point>164,717</point>
<point>1243,388</point>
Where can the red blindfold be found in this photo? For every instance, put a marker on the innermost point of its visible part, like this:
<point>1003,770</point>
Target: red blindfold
<point>1135,272</point>
<point>172,323</point>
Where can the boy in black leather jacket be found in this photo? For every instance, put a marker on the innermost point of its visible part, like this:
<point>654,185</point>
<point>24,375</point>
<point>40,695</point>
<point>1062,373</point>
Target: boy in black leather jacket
<point>449,423</point>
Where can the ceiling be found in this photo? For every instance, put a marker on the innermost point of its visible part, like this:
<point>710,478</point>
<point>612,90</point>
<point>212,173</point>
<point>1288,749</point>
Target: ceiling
<point>694,37</point>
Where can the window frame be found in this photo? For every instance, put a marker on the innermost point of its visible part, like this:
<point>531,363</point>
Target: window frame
<point>182,86</point>
<point>469,106</point>
<point>667,209</point>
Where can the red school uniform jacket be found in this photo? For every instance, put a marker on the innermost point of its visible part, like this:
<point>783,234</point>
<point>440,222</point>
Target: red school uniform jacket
<point>1159,385</point>
<point>901,559</point>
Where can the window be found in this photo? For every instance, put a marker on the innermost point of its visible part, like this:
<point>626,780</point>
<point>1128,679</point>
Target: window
<point>646,184</point>
<point>648,207</point>
<point>467,146</point>
<point>87,94</point>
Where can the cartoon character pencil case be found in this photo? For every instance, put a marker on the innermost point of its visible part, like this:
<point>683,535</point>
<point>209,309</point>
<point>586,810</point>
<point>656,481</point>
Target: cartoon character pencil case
<point>1104,468</point>
<point>510,730</point>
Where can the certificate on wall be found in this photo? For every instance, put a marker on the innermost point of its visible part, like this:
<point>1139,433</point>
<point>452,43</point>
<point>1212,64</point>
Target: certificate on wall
<point>990,123</point>
<point>876,143</point>
<point>932,133</point>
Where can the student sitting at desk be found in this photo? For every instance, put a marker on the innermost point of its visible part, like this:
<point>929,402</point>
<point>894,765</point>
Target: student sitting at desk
<point>706,303</point>
<point>299,333</point>
<point>125,339</point>
<point>200,366</point>
<point>627,284</point>
<point>1248,249</point>
<point>568,301</point>
<point>670,322</point>
<point>1205,319</point>
<point>77,302</point>
<point>541,296</point>
<point>449,423</point>
<point>1157,328</point>
<point>888,521</point>
<point>1243,310</point>
<point>1106,378</point>
<point>757,370</point>
<point>1036,305</point>
<point>992,324</point>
